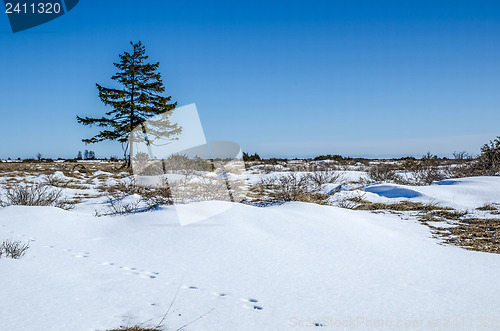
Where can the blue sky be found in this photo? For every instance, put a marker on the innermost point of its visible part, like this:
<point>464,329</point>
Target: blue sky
<point>281,78</point>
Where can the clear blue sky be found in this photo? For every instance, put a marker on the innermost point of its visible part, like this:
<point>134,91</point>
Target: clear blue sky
<point>281,78</point>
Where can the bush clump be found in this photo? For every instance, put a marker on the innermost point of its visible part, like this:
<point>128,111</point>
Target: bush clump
<point>489,160</point>
<point>148,198</point>
<point>383,172</point>
<point>426,170</point>
<point>286,187</point>
<point>34,195</point>
<point>296,187</point>
<point>175,163</point>
<point>486,164</point>
<point>13,249</point>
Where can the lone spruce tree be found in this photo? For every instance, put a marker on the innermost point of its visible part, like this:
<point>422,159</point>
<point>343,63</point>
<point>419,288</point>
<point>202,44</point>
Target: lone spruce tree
<point>139,99</point>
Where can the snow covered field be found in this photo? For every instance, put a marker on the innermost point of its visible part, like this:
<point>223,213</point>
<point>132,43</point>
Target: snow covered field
<point>291,266</point>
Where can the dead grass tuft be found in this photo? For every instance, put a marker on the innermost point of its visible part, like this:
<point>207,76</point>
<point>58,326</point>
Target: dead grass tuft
<point>13,249</point>
<point>34,195</point>
<point>400,206</point>
<point>473,234</point>
<point>488,207</point>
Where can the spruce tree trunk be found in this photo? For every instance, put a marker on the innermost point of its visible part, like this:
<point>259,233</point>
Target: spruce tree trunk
<point>131,138</point>
<point>131,150</point>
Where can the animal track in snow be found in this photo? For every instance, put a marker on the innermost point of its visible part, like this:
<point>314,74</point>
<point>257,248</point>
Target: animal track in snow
<point>82,255</point>
<point>133,270</point>
<point>250,302</point>
<point>111,264</point>
<point>253,307</point>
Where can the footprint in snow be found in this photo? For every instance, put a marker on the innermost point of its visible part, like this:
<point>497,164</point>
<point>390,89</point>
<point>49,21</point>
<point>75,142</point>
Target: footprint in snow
<point>253,307</point>
<point>107,263</point>
<point>135,271</point>
<point>82,255</point>
<point>148,275</point>
<point>193,288</point>
<point>250,300</point>
<point>251,304</point>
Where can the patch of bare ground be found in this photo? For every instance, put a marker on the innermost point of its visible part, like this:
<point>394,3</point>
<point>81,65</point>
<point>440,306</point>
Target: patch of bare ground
<point>70,169</point>
<point>476,234</point>
<point>361,204</point>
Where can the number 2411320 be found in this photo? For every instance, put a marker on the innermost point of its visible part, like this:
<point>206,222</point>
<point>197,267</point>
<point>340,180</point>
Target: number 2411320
<point>38,8</point>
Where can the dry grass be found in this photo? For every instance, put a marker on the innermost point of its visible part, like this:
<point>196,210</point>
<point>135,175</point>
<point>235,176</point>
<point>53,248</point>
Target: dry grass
<point>151,197</point>
<point>20,169</point>
<point>34,195</point>
<point>475,234</point>
<point>400,206</point>
<point>294,187</point>
<point>471,233</point>
<point>382,172</point>
<point>488,207</point>
<point>311,197</point>
<point>13,249</point>
<point>447,214</point>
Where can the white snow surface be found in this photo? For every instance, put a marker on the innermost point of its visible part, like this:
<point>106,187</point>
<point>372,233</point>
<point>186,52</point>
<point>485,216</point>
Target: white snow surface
<point>257,268</point>
<point>462,193</point>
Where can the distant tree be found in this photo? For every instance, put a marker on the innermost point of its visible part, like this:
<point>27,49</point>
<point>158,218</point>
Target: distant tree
<point>460,156</point>
<point>86,154</point>
<point>249,158</point>
<point>39,156</point>
<point>79,155</point>
<point>328,157</point>
<point>138,99</point>
<point>91,155</point>
<point>489,160</point>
